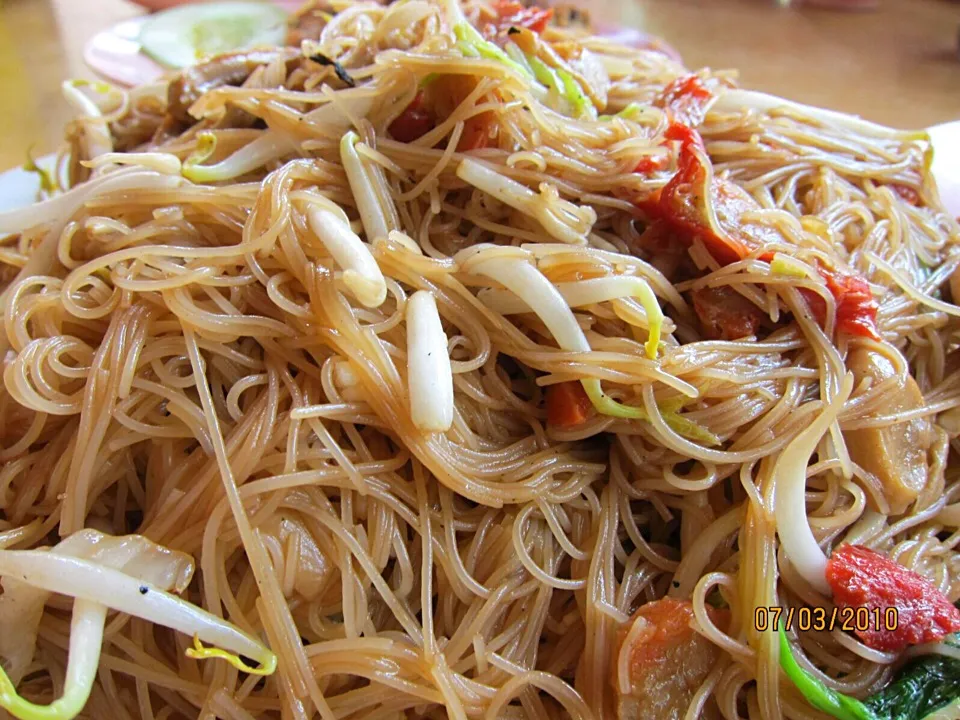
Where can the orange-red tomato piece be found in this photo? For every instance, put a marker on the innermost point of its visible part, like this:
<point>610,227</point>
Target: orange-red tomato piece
<point>860,577</point>
<point>414,122</point>
<point>478,132</point>
<point>907,193</point>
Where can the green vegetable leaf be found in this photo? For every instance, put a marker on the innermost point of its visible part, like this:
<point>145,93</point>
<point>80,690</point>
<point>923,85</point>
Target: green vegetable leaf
<point>816,693</point>
<point>574,94</point>
<point>924,686</point>
<point>544,75</point>
<point>472,44</point>
<point>633,111</point>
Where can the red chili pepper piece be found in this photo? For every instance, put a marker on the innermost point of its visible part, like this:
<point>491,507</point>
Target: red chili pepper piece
<point>856,306</point>
<point>695,204</point>
<point>651,164</point>
<point>686,99</point>
<point>860,577</point>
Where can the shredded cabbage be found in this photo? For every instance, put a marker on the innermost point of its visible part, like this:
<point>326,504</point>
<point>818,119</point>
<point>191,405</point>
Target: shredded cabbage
<point>86,639</point>
<point>786,265</point>
<point>161,162</point>
<point>542,72</point>
<point>368,204</point>
<point>633,111</point>
<point>429,373</point>
<point>737,100</point>
<point>567,222</point>
<point>361,274</point>
<point>472,44</point>
<point>96,137</point>
<point>589,292</point>
<point>125,592</point>
<point>574,94</point>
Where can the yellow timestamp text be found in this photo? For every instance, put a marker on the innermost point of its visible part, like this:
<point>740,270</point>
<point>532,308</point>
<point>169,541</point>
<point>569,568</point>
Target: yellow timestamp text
<point>818,619</point>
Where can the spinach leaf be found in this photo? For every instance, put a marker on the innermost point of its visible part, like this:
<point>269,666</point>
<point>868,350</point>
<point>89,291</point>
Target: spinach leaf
<point>925,685</point>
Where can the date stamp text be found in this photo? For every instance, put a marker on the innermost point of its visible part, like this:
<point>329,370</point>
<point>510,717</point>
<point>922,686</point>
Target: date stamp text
<point>820,619</point>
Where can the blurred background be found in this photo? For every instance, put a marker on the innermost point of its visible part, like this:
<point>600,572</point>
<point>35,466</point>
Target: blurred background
<point>895,64</point>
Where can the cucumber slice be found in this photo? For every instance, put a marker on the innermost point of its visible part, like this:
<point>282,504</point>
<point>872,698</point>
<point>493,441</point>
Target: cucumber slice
<point>183,35</point>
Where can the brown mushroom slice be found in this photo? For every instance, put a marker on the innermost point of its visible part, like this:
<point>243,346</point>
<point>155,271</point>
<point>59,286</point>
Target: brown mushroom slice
<point>659,661</point>
<point>895,454</point>
<point>229,69</point>
<point>949,420</point>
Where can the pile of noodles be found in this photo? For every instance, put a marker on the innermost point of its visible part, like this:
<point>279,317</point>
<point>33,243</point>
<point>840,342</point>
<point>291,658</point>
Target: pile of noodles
<point>184,360</point>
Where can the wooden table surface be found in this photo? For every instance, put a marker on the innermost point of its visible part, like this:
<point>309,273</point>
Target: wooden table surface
<point>897,65</point>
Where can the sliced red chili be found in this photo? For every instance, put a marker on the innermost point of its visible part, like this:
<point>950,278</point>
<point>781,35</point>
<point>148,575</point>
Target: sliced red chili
<point>856,306</point>
<point>697,205</point>
<point>686,99</point>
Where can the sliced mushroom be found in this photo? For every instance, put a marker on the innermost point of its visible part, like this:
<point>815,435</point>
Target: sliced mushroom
<point>229,69</point>
<point>949,419</point>
<point>895,454</point>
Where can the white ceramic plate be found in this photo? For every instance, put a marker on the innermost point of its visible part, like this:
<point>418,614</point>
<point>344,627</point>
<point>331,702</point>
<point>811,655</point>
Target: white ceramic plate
<point>115,54</point>
<point>946,163</point>
<point>19,187</point>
